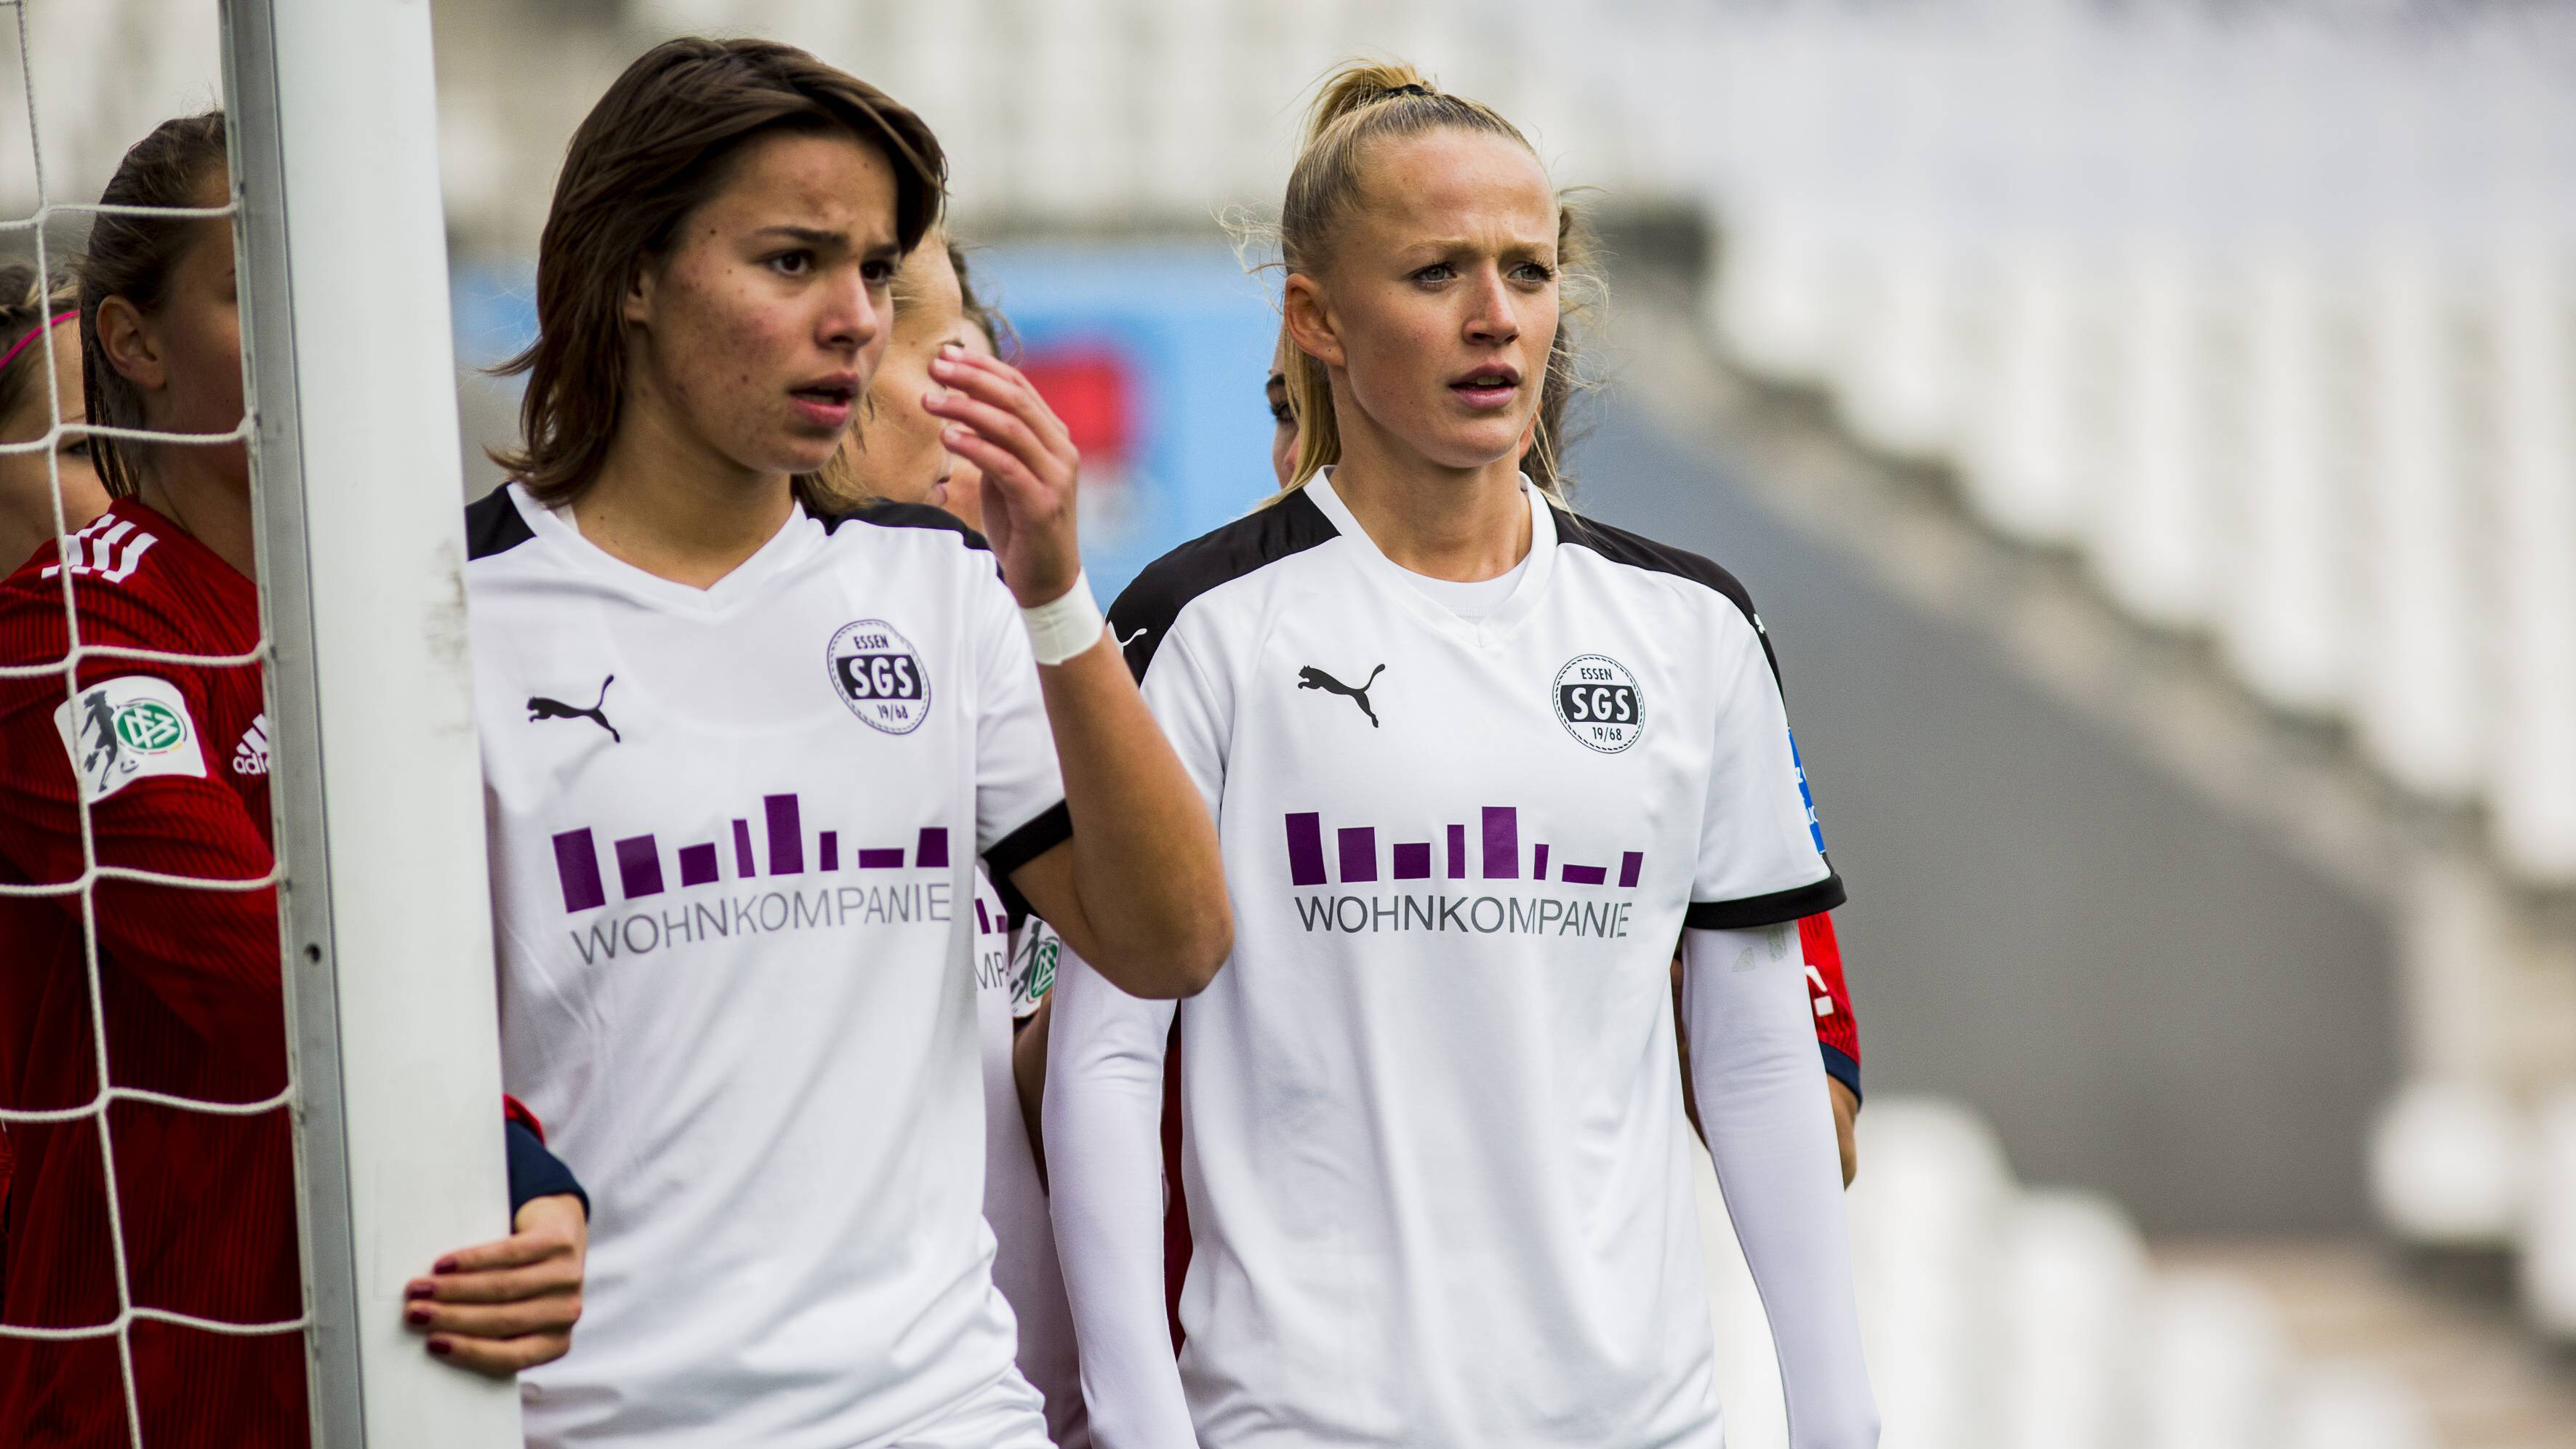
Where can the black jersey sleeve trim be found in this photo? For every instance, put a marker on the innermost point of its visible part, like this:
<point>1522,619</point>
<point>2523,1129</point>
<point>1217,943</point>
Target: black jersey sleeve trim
<point>1045,831</point>
<point>1637,551</point>
<point>908,515</point>
<point>1778,908</point>
<point>1840,1067</point>
<point>493,525</point>
<point>1146,609</point>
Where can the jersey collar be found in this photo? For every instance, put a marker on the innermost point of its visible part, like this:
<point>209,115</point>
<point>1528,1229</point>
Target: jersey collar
<point>1497,625</point>
<point>556,528</point>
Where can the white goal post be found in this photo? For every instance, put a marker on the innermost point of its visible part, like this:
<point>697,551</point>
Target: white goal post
<point>384,908</point>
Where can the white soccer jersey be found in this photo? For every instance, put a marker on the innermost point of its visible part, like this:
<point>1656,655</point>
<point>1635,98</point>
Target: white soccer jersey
<point>1432,1146</point>
<point>1013,972</point>
<point>733,838</point>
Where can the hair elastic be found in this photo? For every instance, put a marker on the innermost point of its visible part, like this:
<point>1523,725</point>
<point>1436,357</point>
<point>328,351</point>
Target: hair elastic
<point>48,325</point>
<point>1412,90</point>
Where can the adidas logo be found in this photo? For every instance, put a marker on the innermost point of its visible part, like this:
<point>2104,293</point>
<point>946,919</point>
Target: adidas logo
<point>105,549</point>
<point>250,757</point>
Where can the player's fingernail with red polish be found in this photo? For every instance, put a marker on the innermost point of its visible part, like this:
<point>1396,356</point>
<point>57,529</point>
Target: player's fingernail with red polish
<point>441,1347</point>
<point>419,1289</point>
<point>443,1265</point>
<point>417,1313</point>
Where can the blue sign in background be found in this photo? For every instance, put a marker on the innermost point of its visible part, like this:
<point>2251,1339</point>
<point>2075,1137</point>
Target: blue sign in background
<point>1197,332</point>
<point>1193,330</point>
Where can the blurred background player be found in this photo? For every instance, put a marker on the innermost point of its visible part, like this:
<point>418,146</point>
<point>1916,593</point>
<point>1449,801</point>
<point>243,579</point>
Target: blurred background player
<point>766,1047</point>
<point>166,763</point>
<point>31,310</point>
<point>1421,1164</point>
<point>27,488</point>
<point>894,454</point>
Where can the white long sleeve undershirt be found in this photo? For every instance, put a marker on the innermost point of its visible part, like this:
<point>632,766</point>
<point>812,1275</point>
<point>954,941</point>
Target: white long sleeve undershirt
<point>1767,1119</point>
<point>1769,1125</point>
<point>1104,1120</point>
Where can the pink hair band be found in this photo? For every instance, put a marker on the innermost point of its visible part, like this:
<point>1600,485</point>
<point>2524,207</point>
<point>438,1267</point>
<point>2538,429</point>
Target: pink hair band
<point>50,323</point>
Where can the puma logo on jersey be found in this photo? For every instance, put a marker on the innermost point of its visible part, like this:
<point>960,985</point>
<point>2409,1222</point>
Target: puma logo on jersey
<point>1309,677</point>
<point>250,757</point>
<point>542,708</point>
<point>1130,640</point>
<point>110,548</point>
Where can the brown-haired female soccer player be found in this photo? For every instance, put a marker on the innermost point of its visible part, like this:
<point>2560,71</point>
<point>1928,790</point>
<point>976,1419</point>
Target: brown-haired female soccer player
<point>40,366</point>
<point>169,760</point>
<point>742,743</point>
<point>1476,762</point>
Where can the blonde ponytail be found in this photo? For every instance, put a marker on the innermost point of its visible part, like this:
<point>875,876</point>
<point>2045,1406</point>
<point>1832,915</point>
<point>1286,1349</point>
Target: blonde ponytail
<point>1367,101</point>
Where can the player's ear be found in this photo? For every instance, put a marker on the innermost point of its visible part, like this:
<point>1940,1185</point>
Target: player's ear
<point>636,307</point>
<point>1311,324</point>
<point>130,346</point>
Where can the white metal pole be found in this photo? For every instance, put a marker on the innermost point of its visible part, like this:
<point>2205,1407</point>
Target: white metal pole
<point>386,923</point>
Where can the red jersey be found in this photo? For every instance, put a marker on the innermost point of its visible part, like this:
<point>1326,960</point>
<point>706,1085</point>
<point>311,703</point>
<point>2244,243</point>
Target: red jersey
<point>1837,1033</point>
<point>172,762</point>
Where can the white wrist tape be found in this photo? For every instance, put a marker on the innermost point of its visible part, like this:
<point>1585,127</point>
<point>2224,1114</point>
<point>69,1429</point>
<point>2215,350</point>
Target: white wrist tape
<point>1064,628</point>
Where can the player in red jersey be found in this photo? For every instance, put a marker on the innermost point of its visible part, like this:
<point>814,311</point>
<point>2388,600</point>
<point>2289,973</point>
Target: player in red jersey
<point>167,760</point>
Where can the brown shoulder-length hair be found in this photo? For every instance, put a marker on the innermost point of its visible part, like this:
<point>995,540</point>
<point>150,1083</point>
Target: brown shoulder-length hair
<point>649,153</point>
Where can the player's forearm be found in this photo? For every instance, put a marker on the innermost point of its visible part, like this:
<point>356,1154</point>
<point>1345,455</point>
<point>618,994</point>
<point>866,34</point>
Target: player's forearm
<point>1029,1073</point>
<point>1769,1127</point>
<point>1149,894</point>
<point>1104,1110</point>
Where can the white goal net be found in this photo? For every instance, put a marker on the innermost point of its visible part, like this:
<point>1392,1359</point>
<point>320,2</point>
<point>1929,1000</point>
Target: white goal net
<point>364,740</point>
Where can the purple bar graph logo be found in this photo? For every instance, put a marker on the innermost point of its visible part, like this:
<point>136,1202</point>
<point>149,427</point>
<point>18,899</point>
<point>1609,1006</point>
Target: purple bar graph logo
<point>1356,859</point>
<point>786,841</point>
<point>1305,851</point>
<point>639,867</point>
<point>577,866</point>
<point>785,850</point>
<point>1359,853</point>
<point>1502,843</point>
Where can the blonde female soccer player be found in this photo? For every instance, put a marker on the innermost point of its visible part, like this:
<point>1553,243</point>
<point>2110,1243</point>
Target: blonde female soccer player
<point>897,453</point>
<point>1476,763</point>
<point>743,745</point>
<point>1837,1029</point>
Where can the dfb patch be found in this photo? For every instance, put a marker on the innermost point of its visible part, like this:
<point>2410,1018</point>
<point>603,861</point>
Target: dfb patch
<point>120,730</point>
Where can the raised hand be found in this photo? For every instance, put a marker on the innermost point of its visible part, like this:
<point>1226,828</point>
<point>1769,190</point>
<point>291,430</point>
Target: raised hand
<point>997,421</point>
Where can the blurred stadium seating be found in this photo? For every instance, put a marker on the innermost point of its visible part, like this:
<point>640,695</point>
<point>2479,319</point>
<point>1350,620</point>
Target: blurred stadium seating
<point>1998,1317</point>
